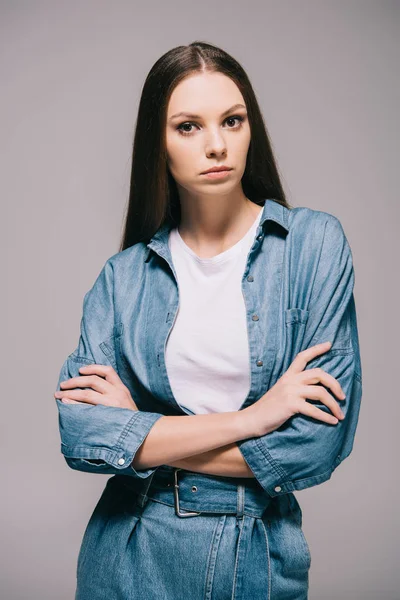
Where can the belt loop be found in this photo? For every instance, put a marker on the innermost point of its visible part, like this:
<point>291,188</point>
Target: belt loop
<point>240,501</point>
<point>142,498</point>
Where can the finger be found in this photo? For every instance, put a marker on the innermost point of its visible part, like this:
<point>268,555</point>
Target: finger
<point>105,371</point>
<point>318,375</point>
<point>305,356</point>
<point>317,392</point>
<point>88,396</point>
<point>93,381</point>
<point>312,411</point>
<point>69,401</point>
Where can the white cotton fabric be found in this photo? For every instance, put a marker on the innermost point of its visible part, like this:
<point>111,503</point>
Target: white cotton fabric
<point>207,351</point>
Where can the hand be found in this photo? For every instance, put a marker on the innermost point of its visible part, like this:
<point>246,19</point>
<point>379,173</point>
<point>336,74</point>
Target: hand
<point>107,388</point>
<point>290,393</point>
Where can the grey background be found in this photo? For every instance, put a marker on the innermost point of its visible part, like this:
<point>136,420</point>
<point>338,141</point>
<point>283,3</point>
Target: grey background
<point>326,75</point>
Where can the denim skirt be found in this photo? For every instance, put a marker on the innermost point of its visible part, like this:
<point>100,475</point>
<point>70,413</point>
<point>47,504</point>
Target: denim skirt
<point>180,535</point>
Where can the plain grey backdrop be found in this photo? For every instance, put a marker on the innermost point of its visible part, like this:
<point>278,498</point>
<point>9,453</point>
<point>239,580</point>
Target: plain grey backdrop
<point>326,76</point>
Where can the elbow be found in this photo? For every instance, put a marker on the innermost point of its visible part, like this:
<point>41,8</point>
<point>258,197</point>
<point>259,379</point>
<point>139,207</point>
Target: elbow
<point>87,466</point>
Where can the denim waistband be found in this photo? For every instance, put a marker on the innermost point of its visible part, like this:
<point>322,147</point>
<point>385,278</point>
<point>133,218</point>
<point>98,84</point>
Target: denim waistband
<point>194,493</point>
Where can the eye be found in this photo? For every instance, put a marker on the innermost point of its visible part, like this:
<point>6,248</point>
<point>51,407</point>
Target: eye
<point>239,118</point>
<point>187,124</point>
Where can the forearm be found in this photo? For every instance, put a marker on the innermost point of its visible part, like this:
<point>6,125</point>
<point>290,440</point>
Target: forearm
<point>226,461</point>
<point>172,439</point>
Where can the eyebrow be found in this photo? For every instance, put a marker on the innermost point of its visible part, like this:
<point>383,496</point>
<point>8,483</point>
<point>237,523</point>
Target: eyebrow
<point>191,116</point>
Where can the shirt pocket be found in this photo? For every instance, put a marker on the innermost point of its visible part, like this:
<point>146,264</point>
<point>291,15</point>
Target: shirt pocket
<point>295,326</point>
<point>113,350</point>
<point>121,363</point>
<point>110,346</point>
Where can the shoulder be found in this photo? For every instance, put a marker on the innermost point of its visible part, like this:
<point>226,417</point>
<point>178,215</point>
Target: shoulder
<point>318,249</point>
<point>309,220</point>
<point>131,260</point>
<point>117,273</point>
<point>316,227</point>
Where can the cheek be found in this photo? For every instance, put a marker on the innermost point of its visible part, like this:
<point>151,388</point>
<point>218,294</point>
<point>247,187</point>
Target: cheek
<point>238,151</point>
<point>181,158</point>
<point>242,144</point>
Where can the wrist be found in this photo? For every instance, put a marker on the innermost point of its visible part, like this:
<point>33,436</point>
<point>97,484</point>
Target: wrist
<point>247,423</point>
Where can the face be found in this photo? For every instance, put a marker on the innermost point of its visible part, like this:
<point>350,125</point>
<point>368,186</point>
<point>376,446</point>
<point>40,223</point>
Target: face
<point>207,126</point>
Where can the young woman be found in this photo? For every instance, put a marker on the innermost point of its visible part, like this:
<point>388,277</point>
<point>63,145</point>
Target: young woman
<point>218,349</point>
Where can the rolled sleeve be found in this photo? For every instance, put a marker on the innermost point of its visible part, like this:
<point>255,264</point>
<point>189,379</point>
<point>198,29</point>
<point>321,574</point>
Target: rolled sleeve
<point>304,451</point>
<point>99,438</point>
<point>109,441</point>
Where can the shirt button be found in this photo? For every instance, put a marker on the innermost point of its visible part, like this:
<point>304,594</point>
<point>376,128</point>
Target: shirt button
<point>278,488</point>
<point>260,363</point>
<point>121,461</point>
<point>255,317</point>
<point>250,278</point>
<point>259,237</point>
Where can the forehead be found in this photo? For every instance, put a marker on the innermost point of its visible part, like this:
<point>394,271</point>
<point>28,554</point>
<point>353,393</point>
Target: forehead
<point>204,94</point>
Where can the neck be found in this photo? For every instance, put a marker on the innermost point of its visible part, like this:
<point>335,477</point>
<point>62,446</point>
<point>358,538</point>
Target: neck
<point>211,224</point>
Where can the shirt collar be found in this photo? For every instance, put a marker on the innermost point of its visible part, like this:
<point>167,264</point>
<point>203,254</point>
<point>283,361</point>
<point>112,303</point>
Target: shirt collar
<point>272,211</point>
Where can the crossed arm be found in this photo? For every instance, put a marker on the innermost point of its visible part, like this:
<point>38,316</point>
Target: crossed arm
<point>304,453</point>
<point>225,461</point>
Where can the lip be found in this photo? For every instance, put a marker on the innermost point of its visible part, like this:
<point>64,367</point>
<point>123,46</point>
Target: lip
<point>217,174</point>
<point>217,169</point>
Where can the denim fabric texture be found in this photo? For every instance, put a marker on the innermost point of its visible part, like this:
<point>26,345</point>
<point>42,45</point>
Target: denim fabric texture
<point>247,541</point>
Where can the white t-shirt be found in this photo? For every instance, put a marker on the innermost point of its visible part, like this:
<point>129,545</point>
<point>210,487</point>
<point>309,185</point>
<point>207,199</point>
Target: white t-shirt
<point>207,351</point>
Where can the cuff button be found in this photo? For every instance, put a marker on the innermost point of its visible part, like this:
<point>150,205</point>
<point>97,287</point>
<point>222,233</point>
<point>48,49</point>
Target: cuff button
<point>278,488</point>
<point>121,461</point>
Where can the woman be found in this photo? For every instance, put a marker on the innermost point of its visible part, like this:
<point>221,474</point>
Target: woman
<point>213,400</point>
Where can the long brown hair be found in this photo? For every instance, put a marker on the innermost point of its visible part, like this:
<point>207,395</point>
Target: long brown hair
<point>153,196</point>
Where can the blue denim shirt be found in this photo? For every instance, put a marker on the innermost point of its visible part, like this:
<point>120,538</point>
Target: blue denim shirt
<point>298,291</point>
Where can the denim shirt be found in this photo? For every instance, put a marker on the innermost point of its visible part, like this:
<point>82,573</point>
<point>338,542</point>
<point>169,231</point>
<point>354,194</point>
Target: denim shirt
<point>297,287</point>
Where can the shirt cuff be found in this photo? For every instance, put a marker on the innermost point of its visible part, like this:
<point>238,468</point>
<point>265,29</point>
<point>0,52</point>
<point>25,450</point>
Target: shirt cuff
<point>94,449</point>
<point>265,469</point>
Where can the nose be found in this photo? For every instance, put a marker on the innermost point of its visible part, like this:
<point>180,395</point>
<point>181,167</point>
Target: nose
<point>215,145</point>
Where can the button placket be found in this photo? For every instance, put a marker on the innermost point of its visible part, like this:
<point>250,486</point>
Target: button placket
<point>259,362</point>
<point>255,341</point>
